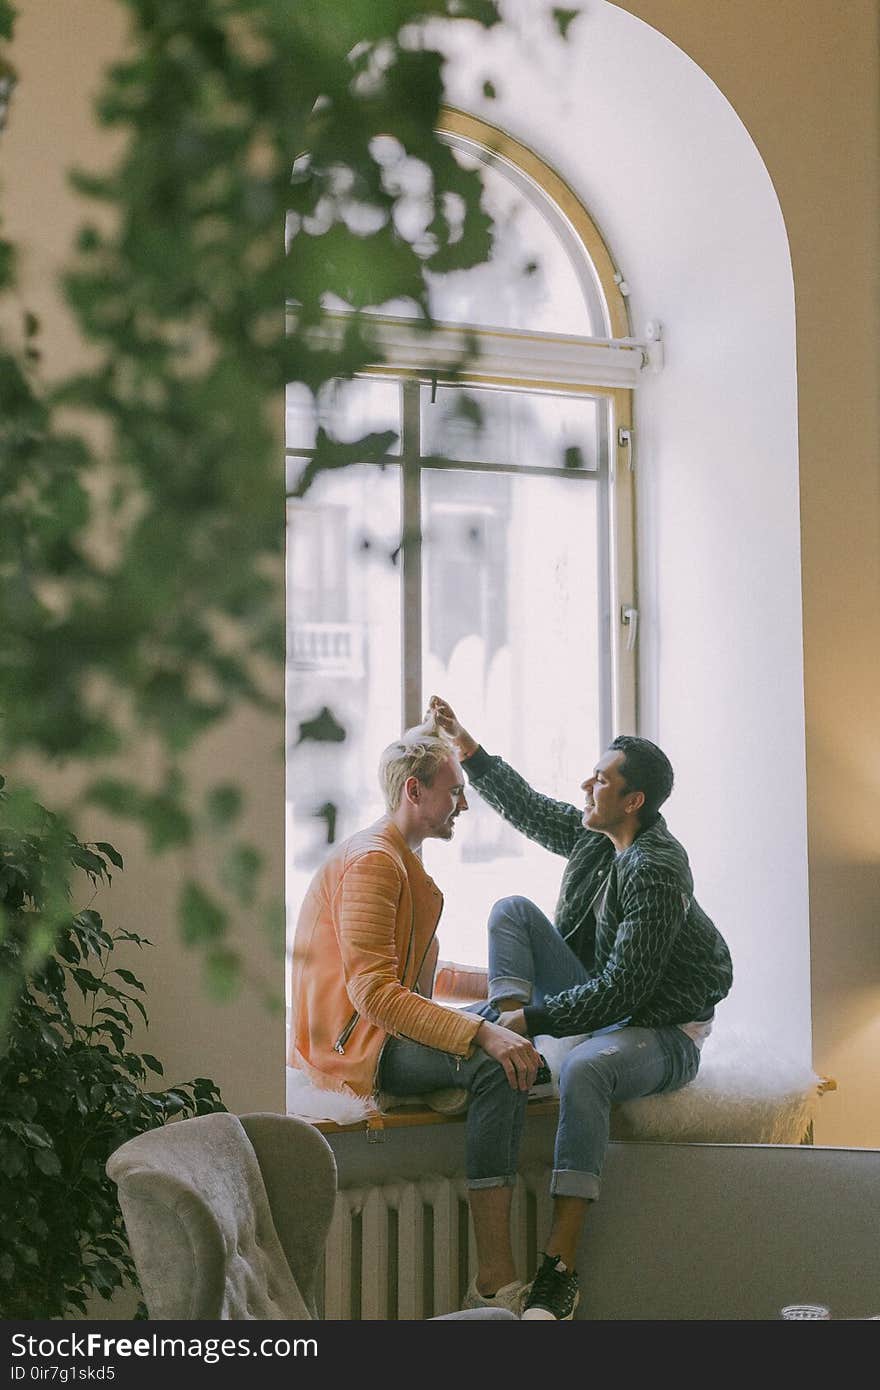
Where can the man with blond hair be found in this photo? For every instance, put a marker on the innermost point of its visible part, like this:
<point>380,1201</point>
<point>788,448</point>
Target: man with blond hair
<point>363,956</point>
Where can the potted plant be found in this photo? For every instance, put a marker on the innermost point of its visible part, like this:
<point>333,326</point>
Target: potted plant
<point>71,1087</point>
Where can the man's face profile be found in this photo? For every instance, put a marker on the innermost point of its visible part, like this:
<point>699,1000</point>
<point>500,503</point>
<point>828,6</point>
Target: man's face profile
<point>442,802</point>
<point>607,794</point>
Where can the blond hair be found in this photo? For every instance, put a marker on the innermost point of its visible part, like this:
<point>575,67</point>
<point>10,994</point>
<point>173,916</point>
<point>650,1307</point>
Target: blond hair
<point>419,752</point>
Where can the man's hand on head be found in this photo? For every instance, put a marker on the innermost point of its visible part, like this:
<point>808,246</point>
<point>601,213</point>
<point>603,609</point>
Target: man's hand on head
<point>446,719</point>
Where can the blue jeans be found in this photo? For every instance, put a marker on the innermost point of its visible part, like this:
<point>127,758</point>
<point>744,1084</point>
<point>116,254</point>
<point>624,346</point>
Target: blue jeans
<point>495,1113</point>
<point>529,961</point>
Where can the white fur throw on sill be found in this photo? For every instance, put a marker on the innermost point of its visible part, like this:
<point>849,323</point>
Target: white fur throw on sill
<point>311,1103</point>
<point>745,1092</point>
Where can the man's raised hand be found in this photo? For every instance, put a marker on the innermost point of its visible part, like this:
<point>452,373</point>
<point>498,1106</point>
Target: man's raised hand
<point>447,721</point>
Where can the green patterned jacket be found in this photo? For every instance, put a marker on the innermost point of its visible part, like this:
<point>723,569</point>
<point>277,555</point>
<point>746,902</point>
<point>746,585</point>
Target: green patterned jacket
<point>654,956</point>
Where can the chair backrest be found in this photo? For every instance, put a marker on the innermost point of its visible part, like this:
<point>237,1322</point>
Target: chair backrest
<point>227,1217</point>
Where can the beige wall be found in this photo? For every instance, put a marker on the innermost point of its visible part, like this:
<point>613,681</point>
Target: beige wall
<point>803,76</point>
<point>60,52</point>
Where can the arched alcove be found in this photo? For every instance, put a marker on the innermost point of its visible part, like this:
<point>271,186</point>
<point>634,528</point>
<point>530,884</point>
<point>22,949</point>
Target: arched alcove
<point>650,144</point>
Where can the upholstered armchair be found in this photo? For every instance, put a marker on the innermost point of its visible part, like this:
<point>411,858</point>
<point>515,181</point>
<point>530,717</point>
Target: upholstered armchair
<point>227,1216</point>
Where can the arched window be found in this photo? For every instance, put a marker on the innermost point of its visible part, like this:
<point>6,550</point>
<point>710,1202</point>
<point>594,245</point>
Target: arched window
<point>514,595</point>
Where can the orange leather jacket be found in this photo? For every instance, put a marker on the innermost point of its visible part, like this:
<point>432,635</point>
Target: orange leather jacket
<point>364,941</point>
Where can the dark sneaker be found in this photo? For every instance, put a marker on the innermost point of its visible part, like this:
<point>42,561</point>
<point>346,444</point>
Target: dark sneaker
<point>554,1295</point>
<point>542,1086</point>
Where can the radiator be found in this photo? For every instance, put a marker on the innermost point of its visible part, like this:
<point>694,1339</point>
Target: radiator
<point>406,1249</point>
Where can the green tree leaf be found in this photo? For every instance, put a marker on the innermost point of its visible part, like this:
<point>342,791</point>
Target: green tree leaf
<point>8,14</point>
<point>36,1135</point>
<point>223,974</point>
<point>240,871</point>
<point>564,20</point>
<point>48,1162</point>
<point>112,854</point>
<point>114,795</point>
<point>130,978</point>
<point>201,919</point>
<point>89,983</point>
<point>223,804</point>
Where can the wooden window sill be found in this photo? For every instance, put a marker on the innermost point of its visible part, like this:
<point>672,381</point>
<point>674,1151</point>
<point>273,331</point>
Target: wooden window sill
<point>409,1116</point>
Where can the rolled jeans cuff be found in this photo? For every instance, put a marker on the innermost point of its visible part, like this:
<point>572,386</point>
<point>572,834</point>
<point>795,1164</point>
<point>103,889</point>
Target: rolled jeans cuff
<point>509,987</point>
<point>508,1181</point>
<point>568,1182</point>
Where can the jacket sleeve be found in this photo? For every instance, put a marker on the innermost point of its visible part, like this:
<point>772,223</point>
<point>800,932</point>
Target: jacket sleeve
<point>365,916</point>
<point>654,911</point>
<point>555,825</point>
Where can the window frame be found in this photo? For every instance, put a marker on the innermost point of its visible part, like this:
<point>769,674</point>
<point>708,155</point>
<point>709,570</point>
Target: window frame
<point>617,538</point>
<point>560,198</point>
<point>464,355</point>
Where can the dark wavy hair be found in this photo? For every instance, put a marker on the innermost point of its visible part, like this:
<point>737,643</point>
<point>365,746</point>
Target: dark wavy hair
<point>645,769</point>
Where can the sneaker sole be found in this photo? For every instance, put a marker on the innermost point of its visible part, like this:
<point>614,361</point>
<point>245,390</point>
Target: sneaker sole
<point>544,1314</point>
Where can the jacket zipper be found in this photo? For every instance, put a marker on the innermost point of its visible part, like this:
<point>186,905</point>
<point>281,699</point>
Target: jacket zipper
<point>458,1059</point>
<point>339,1045</point>
<point>345,1036</point>
<point>427,948</point>
<point>604,880</point>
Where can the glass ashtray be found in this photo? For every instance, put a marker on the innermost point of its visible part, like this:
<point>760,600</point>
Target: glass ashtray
<point>796,1312</point>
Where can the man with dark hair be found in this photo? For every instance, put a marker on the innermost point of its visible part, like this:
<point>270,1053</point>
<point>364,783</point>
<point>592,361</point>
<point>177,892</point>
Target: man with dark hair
<point>632,962</point>
<point>645,768</point>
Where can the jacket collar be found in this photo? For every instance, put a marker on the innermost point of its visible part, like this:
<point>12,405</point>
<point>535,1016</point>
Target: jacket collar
<point>387,827</point>
<point>652,834</point>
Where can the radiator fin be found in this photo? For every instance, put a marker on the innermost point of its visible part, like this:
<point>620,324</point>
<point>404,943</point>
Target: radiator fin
<point>405,1250</point>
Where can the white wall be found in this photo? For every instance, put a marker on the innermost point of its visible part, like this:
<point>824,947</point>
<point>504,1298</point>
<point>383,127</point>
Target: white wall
<point>685,203</point>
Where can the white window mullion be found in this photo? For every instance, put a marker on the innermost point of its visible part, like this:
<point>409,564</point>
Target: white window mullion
<point>411,556</point>
<point>622,570</point>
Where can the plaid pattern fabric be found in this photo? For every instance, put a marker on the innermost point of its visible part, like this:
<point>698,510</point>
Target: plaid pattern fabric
<point>654,955</point>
